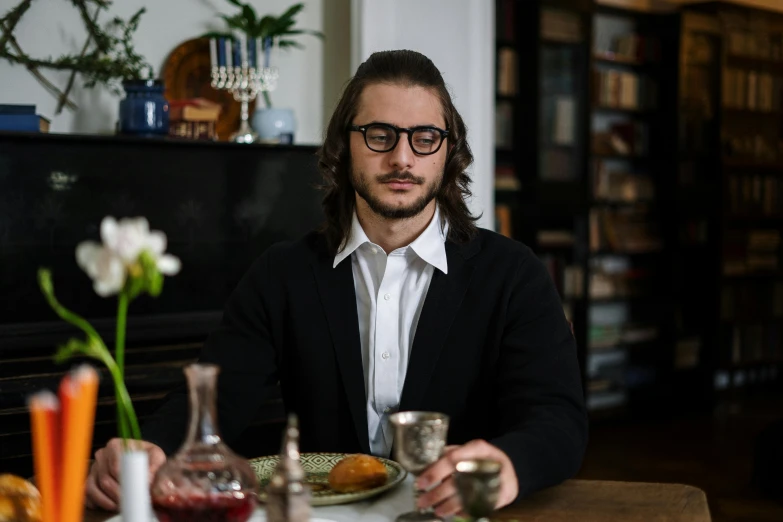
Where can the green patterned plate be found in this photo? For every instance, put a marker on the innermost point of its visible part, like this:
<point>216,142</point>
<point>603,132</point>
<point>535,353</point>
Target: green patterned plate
<point>317,467</point>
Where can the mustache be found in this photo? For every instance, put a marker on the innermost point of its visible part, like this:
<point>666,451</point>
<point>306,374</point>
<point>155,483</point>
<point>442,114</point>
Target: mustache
<point>399,176</point>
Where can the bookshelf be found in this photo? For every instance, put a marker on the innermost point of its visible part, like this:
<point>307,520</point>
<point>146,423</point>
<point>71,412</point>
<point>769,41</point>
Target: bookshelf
<point>628,299</point>
<point>730,188</point>
<point>542,139</point>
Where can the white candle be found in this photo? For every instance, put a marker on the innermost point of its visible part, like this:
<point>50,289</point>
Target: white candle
<point>229,53</point>
<point>243,50</point>
<point>213,53</point>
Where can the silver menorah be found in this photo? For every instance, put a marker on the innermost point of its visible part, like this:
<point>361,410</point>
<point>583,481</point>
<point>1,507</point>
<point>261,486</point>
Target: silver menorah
<point>244,78</point>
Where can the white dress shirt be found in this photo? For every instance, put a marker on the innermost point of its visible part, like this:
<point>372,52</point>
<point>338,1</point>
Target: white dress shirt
<point>390,291</point>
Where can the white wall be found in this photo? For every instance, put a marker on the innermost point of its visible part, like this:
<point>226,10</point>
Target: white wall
<point>458,36</point>
<point>52,27</point>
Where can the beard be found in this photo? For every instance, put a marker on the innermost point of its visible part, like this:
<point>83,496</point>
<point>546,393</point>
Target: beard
<point>363,187</point>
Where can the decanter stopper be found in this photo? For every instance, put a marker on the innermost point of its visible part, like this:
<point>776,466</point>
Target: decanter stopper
<point>288,497</point>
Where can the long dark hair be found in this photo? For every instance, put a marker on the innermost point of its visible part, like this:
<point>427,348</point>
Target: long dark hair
<point>407,68</point>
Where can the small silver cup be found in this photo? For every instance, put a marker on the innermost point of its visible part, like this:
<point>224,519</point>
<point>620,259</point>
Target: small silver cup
<point>478,486</point>
<point>419,439</point>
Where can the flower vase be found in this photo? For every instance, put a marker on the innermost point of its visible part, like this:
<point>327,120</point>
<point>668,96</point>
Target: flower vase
<point>275,125</point>
<point>204,480</point>
<point>134,487</point>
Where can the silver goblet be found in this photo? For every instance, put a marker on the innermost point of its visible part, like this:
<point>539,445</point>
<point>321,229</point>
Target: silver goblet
<point>478,486</point>
<point>419,439</point>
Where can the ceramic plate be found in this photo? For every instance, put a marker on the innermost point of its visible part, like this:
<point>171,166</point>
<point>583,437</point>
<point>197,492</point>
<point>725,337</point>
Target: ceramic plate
<point>257,516</point>
<point>317,467</point>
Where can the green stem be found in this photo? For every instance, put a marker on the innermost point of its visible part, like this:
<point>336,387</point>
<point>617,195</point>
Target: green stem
<point>119,345</point>
<point>129,424</point>
<point>69,316</point>
<point>267,100</point>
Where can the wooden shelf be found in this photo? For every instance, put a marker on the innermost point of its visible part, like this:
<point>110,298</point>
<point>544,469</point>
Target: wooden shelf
<point>744,163</point>
<point>631,158</point>
<point>606,253</point>
<point>751,113</point>
<point>757,64</point>
<point>622,110</point>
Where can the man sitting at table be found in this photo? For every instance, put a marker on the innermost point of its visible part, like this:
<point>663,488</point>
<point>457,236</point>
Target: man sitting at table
<point>399,303</point>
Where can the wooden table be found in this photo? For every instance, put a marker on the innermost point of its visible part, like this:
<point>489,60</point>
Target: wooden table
<point>594,501</point>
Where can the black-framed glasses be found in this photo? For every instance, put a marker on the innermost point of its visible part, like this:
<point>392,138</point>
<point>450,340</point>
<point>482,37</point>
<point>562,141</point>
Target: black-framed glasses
<point>383,137</point>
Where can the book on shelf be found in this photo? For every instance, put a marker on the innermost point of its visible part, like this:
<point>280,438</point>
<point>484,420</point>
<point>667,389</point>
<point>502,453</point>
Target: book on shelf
<point>755,343</point>
<point>194,109</point>
<point>567,277</point>
<point>506,20</point>
<point>751,251</point>
<point>623,230</point>
<point>752,90</point>
<point>625,90</point>
<point>22,118</point>
<point>625,138</point>
<point>607,337</point>
<point>561,26</point>
<point>631,48</point>
<point>503,221</point>
<point>193,130</point>
<point>687,353</point>
<point>504,125</point>
<point>616,185</point>
<point>757,195</point>
<point>557,164</point>
<point>762,45</point>
<point>505,178</point>
<point>507,75</point>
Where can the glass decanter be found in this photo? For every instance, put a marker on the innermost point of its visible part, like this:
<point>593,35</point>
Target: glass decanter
<point>204,481</point>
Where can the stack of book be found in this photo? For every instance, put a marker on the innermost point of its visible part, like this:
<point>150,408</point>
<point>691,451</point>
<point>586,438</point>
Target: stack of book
<point>194,119</point>
<point>21,118</point>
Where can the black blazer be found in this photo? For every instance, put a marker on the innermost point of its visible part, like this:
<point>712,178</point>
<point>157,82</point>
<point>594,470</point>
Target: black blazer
<point>492,349</point>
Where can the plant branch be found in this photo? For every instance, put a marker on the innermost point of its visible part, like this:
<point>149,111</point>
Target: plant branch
<point>72,77</point>
<point>11,19</point>
<point>49,86</point>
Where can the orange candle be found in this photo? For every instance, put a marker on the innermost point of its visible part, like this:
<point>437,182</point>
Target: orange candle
<point>78,396</point>
<point>45,426</point>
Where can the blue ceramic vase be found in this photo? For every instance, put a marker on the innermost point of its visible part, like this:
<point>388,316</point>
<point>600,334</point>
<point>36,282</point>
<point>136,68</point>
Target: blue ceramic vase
<point>144,111</point>
<point>275,125</point>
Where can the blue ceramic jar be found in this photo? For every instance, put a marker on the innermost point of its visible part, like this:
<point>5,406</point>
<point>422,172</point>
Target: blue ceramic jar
<point>144,110</point>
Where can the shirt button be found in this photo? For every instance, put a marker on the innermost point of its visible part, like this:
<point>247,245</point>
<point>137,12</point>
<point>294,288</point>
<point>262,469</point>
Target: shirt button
<point>385,355</point>
<point>386,410</point>
<point>374,250</point>
<point>387,296</point>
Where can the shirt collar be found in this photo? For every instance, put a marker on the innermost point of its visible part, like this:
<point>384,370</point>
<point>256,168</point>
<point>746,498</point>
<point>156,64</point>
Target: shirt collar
<point>430,246</point>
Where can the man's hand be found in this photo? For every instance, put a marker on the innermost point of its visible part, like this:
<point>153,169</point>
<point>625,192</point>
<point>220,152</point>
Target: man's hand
<point>444,497</point>
<point>102,489</point>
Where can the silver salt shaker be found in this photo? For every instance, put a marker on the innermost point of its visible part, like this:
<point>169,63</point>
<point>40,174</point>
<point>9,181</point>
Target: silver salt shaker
<point>288,497</point>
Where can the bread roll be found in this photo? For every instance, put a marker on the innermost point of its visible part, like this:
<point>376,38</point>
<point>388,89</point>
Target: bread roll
<point>357,473</point>
<point>20,501</point>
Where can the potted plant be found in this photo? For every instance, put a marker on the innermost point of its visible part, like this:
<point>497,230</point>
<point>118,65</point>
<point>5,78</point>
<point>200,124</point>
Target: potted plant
<point>275,33</point>
<point>108,58</point>
<point>131,261</point>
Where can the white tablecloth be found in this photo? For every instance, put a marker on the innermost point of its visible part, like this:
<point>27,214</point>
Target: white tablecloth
<point>383,508</point>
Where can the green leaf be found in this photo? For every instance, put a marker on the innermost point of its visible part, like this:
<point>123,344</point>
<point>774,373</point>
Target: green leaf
<point>235,2</point>
<point>291,13</point>
<point>287,44</point>
<point>250,16</point>
<point>235,22</point>
<point>215,34</point>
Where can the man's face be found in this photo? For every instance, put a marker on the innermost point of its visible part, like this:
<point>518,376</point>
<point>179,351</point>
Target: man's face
<point>400,183</point>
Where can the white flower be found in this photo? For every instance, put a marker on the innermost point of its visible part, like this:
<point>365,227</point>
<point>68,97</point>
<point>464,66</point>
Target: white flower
<point>108,264</point>
<point>103,266</point>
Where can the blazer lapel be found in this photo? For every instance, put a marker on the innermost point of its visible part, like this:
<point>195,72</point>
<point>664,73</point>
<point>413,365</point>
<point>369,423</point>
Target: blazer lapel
<point>444,298</point>
<point>338,297</point>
